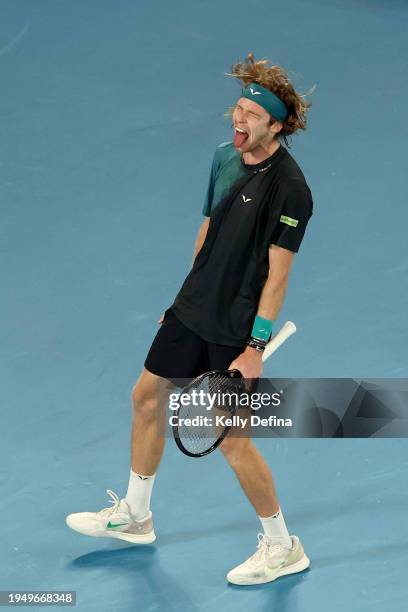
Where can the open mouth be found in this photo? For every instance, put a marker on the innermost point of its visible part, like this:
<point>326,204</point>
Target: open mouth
<point>240,136</point>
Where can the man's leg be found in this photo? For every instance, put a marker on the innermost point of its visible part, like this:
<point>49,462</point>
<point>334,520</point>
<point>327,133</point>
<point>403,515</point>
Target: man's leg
<point>246,461</point>
<point>278,554</point>
<point>130,519</point>
<point>149,398</point>
<point>253,474</point>
<point>176,352</point>
<point>256,480</point>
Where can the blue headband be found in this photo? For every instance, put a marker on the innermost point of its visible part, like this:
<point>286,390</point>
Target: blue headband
<point>267,100</point>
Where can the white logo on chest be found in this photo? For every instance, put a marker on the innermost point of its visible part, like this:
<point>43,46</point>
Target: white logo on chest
<point>246,199</point>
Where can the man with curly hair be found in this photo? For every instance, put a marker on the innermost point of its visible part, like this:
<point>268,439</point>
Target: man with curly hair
<point>256,211</point>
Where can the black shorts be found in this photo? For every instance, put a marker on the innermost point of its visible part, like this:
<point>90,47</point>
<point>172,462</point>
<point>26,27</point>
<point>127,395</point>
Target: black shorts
<point>178,353</point>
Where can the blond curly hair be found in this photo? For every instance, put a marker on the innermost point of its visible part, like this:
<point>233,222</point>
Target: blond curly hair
<point>276,80</point>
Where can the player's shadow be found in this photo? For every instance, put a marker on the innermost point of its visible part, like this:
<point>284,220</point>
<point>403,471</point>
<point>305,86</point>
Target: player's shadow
<point>141,565</point>
<point>280,595</point>
<point>141,557</point>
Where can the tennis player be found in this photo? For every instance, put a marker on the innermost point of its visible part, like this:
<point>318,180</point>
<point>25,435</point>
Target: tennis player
<point>256,211</point>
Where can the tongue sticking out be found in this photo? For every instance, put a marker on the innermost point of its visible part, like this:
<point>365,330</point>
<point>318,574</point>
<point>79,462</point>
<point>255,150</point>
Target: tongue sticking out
<point>239,139</point>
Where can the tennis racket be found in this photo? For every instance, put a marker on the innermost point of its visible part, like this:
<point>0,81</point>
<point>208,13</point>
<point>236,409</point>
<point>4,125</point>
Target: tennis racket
<point>208,404</point>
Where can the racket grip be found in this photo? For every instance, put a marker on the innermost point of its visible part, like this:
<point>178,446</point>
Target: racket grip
<point>283,334</point>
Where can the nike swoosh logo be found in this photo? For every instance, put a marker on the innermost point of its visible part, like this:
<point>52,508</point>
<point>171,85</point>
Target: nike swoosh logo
<point>255,93</point>
<point>246,199</point>
<point>113,525</point>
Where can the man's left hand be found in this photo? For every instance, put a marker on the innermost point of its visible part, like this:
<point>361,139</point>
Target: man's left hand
<point>249,363</point>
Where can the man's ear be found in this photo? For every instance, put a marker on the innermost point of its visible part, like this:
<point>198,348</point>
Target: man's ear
<point>276,126</point>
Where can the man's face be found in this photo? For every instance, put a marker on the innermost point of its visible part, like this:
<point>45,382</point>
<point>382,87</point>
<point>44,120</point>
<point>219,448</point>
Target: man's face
<point>252,128</point>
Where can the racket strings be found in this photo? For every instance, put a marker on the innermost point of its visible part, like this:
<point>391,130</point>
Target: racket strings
<point>201,420</point>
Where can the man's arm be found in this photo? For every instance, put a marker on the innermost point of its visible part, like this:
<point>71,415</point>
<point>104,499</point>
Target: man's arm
<point>249,363</point>
<point>274,290</point>
<point>202,233</point>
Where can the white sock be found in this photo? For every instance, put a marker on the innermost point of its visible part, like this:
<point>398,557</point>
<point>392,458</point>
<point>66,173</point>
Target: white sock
<point>139,493</point>
<point>275,529</point>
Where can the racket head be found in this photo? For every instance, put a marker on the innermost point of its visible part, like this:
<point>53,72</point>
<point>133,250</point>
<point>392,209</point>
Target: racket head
<point>196,440</point>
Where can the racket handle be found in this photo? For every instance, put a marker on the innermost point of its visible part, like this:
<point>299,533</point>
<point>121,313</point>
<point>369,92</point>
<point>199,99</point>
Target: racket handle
<point>283,334</point>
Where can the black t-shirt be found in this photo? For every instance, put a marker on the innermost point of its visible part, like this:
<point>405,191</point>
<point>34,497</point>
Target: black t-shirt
<point>251,207</point>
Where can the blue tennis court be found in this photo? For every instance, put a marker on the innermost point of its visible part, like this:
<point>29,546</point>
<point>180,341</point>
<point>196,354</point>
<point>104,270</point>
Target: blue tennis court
<point>110,115</point>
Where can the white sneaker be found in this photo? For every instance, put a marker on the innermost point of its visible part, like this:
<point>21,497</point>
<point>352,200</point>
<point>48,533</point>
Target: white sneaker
<point>270,562</point>
<point>113,522</point>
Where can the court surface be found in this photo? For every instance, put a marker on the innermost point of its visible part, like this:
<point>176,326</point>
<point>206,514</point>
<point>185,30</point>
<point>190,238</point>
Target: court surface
<point>110,114</point>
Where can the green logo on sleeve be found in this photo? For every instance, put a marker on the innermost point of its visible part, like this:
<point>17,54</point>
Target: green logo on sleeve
<point>289,221</point>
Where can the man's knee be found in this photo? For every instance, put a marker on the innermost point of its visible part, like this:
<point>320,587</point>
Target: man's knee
<point>234,449</point>
<point>144,400</point>
<point>148,396</point>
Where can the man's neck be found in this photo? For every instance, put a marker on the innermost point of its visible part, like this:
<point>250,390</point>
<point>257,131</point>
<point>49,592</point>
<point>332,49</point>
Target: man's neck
<point>261,153</point>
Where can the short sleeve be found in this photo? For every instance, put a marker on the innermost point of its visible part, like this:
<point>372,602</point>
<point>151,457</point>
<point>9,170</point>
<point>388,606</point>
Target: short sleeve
<point>208,200</point>
<point>295,210</point>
